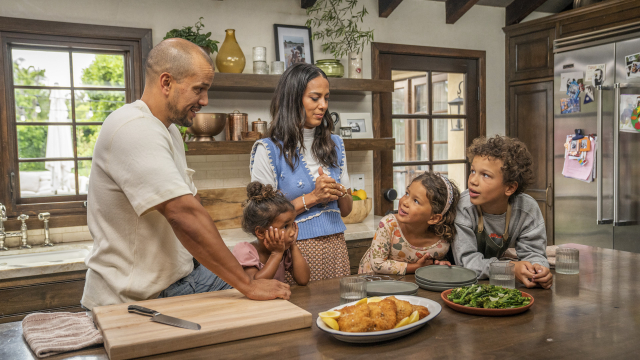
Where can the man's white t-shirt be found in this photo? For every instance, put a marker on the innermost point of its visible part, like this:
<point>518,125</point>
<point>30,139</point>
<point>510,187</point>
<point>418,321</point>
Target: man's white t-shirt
<point>138,163</point>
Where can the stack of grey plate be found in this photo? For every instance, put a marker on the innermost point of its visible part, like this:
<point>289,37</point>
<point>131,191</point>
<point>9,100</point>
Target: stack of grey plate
<point>391,287</point>
<point>442,277</point>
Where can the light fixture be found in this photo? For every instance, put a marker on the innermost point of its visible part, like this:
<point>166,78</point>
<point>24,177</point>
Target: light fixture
<point>37,105</point>
<point>90,113</point>
<point>23,116</point>
<point>457,102</point>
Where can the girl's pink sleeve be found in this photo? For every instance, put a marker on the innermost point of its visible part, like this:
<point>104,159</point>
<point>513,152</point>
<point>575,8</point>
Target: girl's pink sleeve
<point>247,255</point>
<point>381,248</point>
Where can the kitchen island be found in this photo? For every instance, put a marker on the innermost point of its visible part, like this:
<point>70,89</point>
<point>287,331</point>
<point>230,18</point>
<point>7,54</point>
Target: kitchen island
<point>593,315</point>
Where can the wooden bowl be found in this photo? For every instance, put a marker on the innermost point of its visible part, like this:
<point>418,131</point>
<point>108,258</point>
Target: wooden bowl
<point>485,312</point>
<point>251,135</point>
<point>359,212</point>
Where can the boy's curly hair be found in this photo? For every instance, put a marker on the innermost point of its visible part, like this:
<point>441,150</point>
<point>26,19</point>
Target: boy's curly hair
<point>516,159</point>
<point>438,197</point>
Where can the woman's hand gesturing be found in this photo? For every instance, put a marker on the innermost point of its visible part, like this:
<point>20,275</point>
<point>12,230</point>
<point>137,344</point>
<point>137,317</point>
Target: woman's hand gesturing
<point>327,189</point>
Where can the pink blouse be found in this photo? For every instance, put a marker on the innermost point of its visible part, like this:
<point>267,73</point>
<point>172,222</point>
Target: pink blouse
<point>247,256</point>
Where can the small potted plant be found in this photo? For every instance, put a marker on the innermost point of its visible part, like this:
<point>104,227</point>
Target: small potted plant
<point>202,40</point>
<point>338,21</point>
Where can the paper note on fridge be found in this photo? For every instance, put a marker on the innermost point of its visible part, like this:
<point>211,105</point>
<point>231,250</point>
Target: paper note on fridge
<point>574,168</point>
<point>568,78</point>
<point>595,74</point>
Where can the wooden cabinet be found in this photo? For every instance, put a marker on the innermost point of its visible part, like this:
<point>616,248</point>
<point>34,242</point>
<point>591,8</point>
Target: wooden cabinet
<point>531,55</point>
<point>356,249</point>
<point>54,292</point>
<point>531,120</point>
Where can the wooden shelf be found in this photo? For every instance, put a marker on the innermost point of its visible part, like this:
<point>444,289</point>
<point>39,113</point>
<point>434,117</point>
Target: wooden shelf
<point>267,83</point>
<point>244,147</point>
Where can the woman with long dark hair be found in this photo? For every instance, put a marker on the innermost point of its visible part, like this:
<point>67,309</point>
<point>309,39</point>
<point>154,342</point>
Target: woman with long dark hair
<point>303,159</point>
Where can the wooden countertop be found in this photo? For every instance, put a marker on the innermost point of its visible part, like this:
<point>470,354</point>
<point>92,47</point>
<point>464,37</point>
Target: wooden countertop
<point>593,315</point>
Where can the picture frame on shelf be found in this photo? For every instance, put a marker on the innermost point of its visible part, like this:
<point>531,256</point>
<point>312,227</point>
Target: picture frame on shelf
<point>293,44</point>
<point>360,124</point>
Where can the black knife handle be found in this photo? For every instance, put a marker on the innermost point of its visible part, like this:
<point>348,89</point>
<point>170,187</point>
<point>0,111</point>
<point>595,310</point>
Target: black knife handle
<point>135,309</point>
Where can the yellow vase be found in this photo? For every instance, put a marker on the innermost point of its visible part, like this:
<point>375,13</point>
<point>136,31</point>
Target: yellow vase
<point>230,58</point>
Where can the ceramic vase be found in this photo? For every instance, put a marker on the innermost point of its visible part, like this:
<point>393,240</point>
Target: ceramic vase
<point>355,65</point>
<point>230,58</point>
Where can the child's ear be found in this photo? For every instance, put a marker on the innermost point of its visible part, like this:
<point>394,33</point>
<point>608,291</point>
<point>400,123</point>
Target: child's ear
<point>260,233</point>
<point>435,218</point>
<point>511,188</point>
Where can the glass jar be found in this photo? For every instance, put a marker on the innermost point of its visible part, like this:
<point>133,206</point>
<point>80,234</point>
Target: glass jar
<point>331,67</point>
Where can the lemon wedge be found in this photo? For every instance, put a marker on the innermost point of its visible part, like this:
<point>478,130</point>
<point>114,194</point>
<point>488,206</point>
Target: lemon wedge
<point>403,322</point>
<point>361,301</point>
<point>374,299</point>
<point>331,323</point>
<point>414,317</point>
<point>330,314</point>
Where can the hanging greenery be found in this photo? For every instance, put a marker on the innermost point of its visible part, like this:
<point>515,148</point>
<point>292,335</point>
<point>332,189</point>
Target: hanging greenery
<point>338,22</point>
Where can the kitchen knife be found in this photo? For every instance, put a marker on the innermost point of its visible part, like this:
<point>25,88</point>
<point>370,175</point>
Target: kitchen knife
<point>163,319</point>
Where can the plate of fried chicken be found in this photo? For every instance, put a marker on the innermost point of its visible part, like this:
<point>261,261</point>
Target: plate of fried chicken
<point>376,321</point>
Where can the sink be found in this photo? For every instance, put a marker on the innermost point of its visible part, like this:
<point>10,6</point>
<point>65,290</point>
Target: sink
<point>24,260</point>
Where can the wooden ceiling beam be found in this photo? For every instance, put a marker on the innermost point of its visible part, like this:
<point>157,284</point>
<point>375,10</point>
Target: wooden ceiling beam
<point>307,3</point>
<point>520,9</point>
<point>456,8</point>
<point>386,7</point>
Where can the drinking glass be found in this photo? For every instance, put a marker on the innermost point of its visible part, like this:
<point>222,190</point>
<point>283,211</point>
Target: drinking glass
<point>502,274</point>
<point>567,261</point>
<point>352,288</point>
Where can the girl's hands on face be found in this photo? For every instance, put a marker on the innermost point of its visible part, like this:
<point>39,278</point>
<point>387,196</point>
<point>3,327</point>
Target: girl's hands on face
<point>291,240</point>
<point>274,240</point>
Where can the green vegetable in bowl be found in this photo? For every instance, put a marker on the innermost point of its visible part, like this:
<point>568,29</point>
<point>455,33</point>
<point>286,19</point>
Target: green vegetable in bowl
<point>488,297</point>
<point>355,198</point>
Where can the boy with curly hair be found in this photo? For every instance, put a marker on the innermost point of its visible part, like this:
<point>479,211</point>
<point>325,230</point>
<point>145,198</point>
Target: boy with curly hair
<point>495,213</point>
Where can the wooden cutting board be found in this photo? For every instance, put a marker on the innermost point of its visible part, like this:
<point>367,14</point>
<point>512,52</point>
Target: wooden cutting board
<point>224,206</point>
<point>223,315</point>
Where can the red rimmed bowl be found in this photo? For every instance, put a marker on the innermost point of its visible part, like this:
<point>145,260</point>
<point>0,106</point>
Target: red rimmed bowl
<point>485,312</point>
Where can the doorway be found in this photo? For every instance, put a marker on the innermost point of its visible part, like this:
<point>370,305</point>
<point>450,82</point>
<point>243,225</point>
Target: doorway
<point>435,111</point>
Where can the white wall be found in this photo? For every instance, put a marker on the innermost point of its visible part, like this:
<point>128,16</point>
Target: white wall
<point>415,22</point>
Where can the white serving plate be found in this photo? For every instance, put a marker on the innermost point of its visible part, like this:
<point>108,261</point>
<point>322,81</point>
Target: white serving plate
<point>376,336</point>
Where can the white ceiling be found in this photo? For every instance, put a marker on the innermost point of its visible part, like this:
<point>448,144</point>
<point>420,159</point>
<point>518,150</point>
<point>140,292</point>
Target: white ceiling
<point>551,6</point>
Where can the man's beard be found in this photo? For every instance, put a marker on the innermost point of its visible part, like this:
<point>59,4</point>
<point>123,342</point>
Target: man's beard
<point>178,117</point>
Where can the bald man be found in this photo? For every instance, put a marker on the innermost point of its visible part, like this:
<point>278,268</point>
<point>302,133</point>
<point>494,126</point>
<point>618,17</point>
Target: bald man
<point>146,222</point>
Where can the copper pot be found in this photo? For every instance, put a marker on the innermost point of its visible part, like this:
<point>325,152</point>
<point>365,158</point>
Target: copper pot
<point>207,125</point>
<point>259,126</point>
<point>237,124</point>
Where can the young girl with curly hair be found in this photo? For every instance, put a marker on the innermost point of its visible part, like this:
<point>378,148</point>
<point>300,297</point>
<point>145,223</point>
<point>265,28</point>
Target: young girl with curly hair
<point>495,213</point>
<point>420,234</point>
<point>269,216</point>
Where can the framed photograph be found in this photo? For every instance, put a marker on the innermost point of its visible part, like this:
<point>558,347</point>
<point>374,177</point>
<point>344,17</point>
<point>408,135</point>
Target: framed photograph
<point>293,44</point>
<point>360,124</point>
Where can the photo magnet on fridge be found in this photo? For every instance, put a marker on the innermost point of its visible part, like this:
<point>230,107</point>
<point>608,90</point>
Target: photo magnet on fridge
<point>570,105</point>
<point>595,74</point>
<point>633,65</point>
<point>588,94</point>
<point>567,79</point>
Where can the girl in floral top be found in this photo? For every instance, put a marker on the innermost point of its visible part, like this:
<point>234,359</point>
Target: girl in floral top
<point>420,234</point>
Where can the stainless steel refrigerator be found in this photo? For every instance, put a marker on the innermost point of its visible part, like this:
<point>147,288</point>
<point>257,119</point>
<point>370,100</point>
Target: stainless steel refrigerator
<point>605,212</point>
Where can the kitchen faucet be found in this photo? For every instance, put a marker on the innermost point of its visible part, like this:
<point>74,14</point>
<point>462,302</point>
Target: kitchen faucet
<point>45,217</point>
<point>22,233</point>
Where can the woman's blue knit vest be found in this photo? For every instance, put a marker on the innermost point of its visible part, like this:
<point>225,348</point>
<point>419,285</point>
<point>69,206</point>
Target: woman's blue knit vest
<point>320,220</point>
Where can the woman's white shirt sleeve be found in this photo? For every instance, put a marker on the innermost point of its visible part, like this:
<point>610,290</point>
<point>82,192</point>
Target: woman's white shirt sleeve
<point>262,170</point>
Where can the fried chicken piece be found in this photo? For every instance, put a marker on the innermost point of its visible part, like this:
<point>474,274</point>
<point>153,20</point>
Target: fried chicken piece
<point>423,312</point>
<point>404,308</point>
<point>383,314</point>
<point>355,318</point>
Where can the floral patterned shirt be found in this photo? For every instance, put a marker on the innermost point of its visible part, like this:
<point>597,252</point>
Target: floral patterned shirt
<point>390,252</point>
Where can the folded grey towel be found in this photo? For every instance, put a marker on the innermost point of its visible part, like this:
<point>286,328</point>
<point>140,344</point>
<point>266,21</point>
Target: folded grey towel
<point>53,333</point>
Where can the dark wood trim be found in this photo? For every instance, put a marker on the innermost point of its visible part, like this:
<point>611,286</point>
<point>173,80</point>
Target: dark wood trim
<point>386,7</point>
<point>520,9</point>
<point>456,8</point>
<point>245,146</point>
<point>531,81</point>
<point>268,83</point>
<point>135,41</point>
<point>402,49</point>
<point>307,3</point>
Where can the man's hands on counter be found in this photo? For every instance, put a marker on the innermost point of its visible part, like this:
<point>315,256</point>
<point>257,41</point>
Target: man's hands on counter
<point>198,234</point>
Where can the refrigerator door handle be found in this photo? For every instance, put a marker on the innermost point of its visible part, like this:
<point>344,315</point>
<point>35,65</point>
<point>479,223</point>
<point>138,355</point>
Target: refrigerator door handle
<point>599,165</point>
<point>616,154</point>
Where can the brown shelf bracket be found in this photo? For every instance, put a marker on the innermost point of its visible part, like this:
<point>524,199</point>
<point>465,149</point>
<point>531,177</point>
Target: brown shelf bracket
<point>456,8</point>
<point>386,7</point>
<point>520,9</point>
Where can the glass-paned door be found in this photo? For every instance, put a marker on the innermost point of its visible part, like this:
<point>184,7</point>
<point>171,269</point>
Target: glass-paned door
<point>429,124</point>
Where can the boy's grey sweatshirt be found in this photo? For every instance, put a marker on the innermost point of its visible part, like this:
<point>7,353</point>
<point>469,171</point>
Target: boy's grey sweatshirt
<point>527,233</point>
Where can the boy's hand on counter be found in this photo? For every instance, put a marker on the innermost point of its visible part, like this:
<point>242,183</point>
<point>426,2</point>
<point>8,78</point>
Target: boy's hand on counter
<point>525,272</point>
<point>543,276</point>
<point>441,262</point>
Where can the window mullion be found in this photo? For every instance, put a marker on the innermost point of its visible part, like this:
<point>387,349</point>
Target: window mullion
<point>73,119</point>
